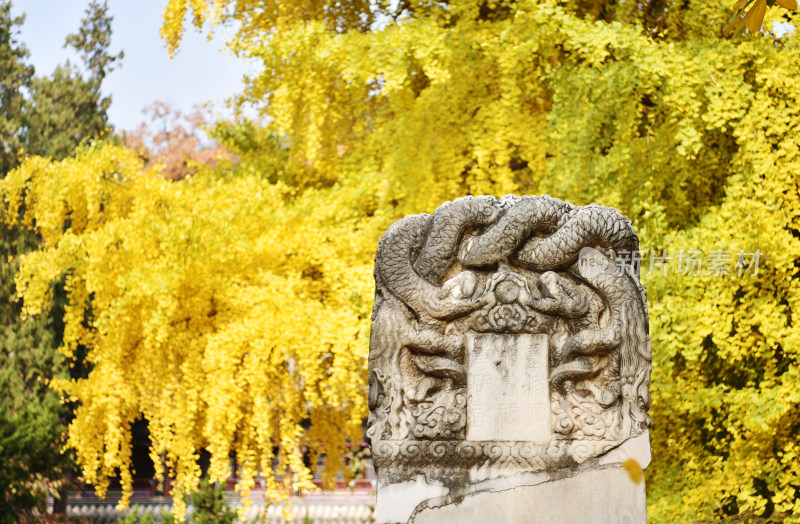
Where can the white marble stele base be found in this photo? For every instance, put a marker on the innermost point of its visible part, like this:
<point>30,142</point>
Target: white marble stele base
<point>602,492</point>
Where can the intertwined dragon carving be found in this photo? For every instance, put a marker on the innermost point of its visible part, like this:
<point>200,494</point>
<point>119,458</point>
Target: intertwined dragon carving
<point>531,264</point>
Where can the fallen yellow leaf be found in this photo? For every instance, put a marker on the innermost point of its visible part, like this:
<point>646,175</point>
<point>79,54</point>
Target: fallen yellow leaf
<point>634,470</point>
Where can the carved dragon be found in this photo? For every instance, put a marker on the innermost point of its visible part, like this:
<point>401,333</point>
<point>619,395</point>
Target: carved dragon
<point>434,241</point>
<point>576,228</point>
<point>538,233</point>
<point>441,232</point>
<point>626,331</point>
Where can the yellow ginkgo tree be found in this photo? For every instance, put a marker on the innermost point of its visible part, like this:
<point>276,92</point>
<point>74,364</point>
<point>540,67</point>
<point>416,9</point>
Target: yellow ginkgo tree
<point>230,309</point>
<point>228,313</point>
<point>645,106</point>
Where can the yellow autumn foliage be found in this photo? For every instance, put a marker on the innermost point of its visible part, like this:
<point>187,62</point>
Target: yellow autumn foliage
<point>223,311</point>
<point>230,307</point>
<point>647,107</point>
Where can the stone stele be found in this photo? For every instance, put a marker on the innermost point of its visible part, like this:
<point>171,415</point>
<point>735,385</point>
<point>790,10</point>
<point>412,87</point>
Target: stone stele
<point>509,365</point>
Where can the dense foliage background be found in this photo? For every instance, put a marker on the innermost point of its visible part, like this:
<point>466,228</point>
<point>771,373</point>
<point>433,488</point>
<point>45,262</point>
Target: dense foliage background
<point>230,307</point>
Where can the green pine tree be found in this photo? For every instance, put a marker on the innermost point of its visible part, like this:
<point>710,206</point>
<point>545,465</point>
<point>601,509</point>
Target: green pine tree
<point>47,116</point>
<point>210,506</point>
<point>16,76</point>
<point>67,108</point>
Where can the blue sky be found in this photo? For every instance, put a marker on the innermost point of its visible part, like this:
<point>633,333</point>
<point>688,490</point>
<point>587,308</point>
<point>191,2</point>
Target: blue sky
<point>201,72</point>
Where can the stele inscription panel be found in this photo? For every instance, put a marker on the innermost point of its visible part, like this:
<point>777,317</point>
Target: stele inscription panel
<point>507,387</point>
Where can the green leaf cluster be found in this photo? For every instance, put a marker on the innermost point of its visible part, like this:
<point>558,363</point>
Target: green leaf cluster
<point>210,506</point>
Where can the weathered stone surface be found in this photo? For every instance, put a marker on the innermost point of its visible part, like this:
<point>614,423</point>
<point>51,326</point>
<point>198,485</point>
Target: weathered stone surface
<point>509,360</point>
<point>507,388</point>
<point>597,496</point>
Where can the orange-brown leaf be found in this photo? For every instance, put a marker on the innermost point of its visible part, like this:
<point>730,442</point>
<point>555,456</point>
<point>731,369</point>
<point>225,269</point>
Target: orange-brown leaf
<point>787,4</point>
<point>736,25</point>
<point>756,16</point>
